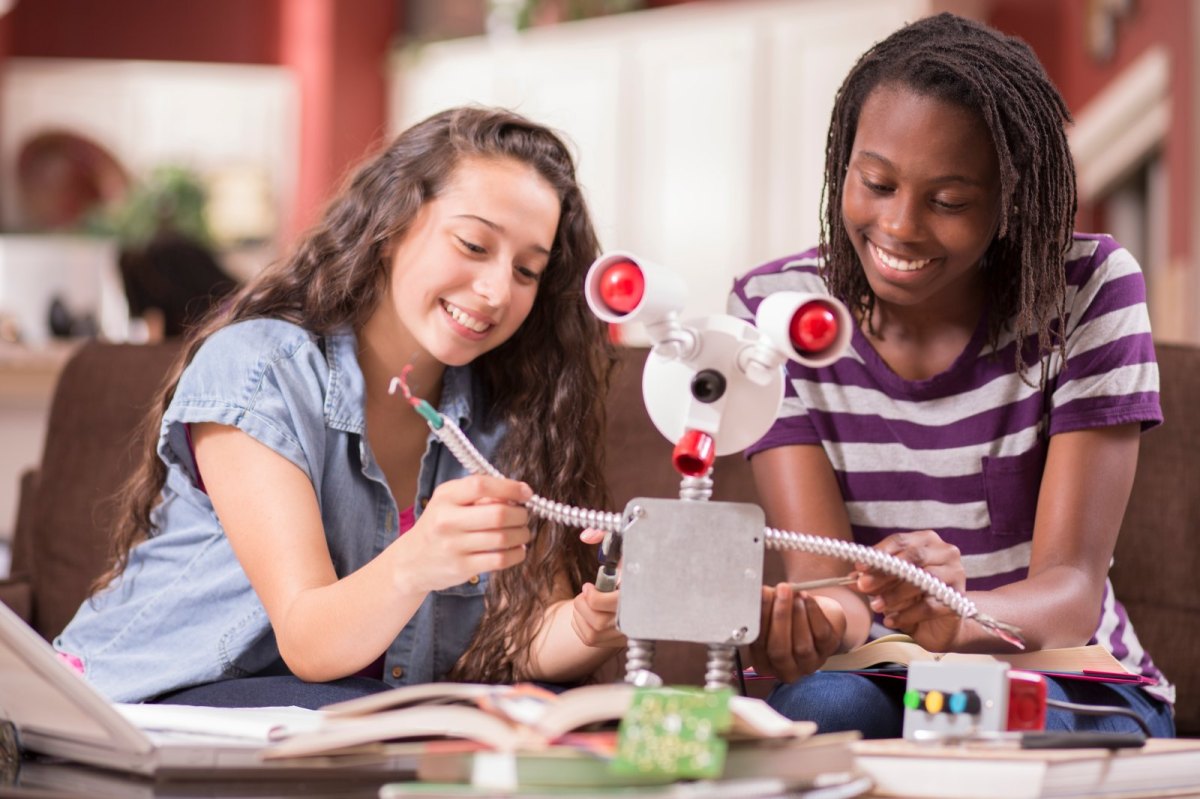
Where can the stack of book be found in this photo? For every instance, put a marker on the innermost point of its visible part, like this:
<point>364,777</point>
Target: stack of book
<point>510,738</point>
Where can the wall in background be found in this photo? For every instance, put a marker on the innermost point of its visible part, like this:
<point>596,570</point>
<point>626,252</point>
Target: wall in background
<point>700,128</point>
<point>335,50</point>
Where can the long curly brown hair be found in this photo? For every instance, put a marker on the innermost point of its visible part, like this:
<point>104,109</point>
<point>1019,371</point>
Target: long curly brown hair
<point>547,383</point>
<point>998,77</point>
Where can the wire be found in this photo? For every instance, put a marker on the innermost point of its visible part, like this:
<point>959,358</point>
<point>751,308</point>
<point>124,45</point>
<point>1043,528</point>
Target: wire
<point>473,461</point>
<point>741,673</point>
<point>1101,710</point>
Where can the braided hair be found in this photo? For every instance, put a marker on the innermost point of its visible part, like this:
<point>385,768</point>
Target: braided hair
<point>997,76</point>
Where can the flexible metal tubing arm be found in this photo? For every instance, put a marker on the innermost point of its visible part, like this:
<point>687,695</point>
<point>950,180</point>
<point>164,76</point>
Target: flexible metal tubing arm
<point>889,564</point>
<point>473,461</point>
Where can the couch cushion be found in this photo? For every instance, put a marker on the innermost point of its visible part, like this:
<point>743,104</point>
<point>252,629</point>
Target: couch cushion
<point>1156,566</point>
<point>103,394</point>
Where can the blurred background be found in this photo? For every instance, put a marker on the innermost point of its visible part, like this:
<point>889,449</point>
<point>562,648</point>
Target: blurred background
<point>153,153</point>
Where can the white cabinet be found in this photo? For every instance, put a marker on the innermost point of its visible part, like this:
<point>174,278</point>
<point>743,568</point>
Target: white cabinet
<point>700,128</point>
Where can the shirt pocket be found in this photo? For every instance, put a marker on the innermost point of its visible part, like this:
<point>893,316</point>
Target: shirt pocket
<point>1011,485</point>
<point>248,646</point>
<point>457,611</point>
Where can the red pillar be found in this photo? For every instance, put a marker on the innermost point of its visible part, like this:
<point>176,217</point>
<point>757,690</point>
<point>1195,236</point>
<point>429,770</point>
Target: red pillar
<point>338,51</point>
<point>5,44</point>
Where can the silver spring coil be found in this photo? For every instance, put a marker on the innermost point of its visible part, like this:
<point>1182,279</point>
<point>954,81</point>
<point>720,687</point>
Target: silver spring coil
<point>696,488</point>
<point>573,516</point>
<point>719,666</point>
<point>639,656</point>
<point>857,553</point>
<point>461,447</point>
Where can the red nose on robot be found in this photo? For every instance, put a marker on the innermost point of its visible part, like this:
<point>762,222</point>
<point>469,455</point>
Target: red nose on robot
<point>694,453</point>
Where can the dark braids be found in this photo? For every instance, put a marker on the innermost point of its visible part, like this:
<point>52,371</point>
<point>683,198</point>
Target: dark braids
<point>998,77</point>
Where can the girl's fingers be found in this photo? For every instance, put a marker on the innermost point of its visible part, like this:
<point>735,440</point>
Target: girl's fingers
<point>493,561</point>
<point>591,621</point>
<point>479,487</point>
<point>824,641</point>
<point>600,601</point>
<point>782,634</point>
<point>591,536</point>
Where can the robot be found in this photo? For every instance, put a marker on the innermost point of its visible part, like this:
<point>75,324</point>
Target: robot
<point>712,386</point>
<point>691,569</point>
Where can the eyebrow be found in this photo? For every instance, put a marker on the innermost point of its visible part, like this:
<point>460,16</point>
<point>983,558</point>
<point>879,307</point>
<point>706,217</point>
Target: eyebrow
<point>498,228</point>
<point>952,178</point>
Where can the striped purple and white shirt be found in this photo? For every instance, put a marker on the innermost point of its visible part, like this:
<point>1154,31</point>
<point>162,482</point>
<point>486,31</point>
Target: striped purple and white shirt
<point>962,452</point>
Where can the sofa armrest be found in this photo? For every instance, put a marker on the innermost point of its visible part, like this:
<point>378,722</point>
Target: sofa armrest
<point>16,590</point>
<point>17,593</point>
<point>23,534</point>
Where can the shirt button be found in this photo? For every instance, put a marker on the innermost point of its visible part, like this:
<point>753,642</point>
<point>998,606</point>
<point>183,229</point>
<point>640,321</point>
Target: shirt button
<point>397,672</point>
<point>473,579</point>
<point>423,501</point>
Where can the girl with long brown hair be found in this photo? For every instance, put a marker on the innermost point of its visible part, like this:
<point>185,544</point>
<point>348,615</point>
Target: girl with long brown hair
<point>294,534</point>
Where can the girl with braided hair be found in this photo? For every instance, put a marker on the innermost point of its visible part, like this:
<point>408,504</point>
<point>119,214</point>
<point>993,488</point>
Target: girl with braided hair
<point>295,535</point>
<point>984,422</point>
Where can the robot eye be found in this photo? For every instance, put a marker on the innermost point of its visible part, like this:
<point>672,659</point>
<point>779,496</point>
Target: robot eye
<point>814,327</point>
<point>622,286</point>
<point>708,385</point>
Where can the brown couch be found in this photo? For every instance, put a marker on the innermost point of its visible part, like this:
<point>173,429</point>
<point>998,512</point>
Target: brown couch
<point>66,506</point>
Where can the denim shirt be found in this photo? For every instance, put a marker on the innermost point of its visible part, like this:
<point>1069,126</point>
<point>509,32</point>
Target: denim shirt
<point>183,612</point>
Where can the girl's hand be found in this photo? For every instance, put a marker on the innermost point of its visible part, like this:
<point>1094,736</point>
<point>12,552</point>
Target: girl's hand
<point>594,618</point>
<point>798,632</point>
<point>471,525</point>
<point>594,612</point>
<point>905,607</point>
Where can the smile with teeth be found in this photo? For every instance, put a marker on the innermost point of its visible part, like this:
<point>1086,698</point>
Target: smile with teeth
<point>465,319</point>
<point>899,264</point>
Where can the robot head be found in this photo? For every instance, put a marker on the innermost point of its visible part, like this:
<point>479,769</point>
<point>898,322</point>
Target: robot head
<point>713,385</point>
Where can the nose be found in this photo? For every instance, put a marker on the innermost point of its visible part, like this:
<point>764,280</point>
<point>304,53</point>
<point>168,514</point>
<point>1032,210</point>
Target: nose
<point>494,284</point>
<point>901,216</point>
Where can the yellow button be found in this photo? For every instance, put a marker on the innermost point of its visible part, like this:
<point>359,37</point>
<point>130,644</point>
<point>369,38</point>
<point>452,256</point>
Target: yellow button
<point>423,501</point>
<point>473,579</point>
<point>397,672</point>
<point>934,702</point>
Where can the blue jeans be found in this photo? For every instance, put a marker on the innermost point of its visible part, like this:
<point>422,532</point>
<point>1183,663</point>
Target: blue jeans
<point>839,701</point>
<point>286,690</point>
<point>276,690</point>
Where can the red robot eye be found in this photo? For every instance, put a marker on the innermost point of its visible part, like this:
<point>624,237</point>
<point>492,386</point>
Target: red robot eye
<point>622,286</point>
<point>814,327</point>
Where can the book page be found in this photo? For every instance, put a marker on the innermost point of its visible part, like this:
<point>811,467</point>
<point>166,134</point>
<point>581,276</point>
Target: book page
<point>903,650</point>
<point>420,694</point>
<point>262,724</point>
<point>421,721</point>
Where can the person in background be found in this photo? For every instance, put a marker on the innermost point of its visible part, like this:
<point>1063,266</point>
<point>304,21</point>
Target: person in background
<point>295,535</point>
<point>984,422</point>
<point>171,283</point>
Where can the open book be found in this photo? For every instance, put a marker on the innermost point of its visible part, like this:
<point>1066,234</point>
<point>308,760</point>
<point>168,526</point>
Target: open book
<point>1164,766</point>
<point>1085,662</point>
<point>501,718</point>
